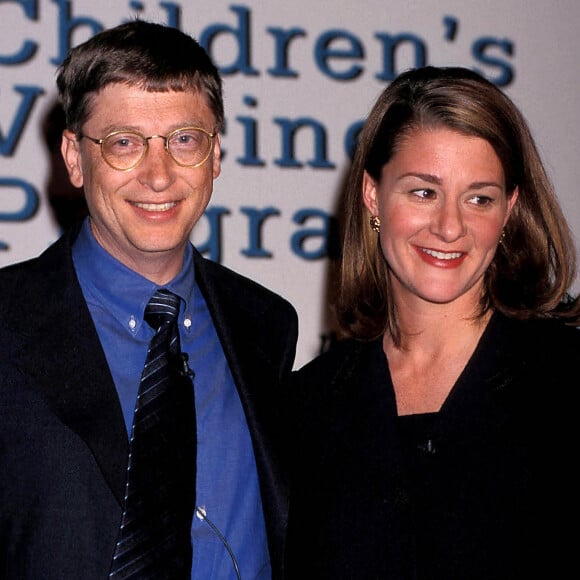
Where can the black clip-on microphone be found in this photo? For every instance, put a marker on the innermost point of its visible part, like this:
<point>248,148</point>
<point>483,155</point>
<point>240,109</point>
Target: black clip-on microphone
<point>184,370</point>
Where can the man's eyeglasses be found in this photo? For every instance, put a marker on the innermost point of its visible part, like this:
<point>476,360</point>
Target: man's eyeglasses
<point>124,150</point>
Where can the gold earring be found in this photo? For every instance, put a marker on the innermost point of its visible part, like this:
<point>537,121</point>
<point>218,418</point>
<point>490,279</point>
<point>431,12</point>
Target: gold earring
<point>502,237</point>
<point>375,222</point>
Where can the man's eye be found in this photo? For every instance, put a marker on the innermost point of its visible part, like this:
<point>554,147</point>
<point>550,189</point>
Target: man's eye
<point>124,142</point>
<point>188,139</point>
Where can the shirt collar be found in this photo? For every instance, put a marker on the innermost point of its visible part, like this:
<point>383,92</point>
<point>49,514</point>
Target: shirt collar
<point>125,299</point>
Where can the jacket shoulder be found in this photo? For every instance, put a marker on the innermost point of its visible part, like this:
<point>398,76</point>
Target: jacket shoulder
<point>548,337</point>
<point>342,362</point>
<point>221,280</point>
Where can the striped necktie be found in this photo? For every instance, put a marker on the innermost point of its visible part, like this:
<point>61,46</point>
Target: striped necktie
<point>155,536</point>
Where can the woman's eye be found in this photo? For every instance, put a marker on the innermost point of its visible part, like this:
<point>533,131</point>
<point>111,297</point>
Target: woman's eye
<point>423,193</point>
<point>481,200</point>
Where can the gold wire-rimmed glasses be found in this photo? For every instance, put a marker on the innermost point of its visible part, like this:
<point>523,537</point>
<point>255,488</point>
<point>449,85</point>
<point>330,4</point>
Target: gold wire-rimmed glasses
<point>125,150</point>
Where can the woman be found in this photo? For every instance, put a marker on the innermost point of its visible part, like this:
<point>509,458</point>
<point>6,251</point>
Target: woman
<point>434,442</point>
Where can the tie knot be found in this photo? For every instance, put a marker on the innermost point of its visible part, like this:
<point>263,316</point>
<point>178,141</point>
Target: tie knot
<point>161,309</point>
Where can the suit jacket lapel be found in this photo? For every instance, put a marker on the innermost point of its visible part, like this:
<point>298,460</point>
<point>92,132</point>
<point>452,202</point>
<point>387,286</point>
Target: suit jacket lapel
<point>241,327</point>
<point>60,350</point>
<point>242,337</point>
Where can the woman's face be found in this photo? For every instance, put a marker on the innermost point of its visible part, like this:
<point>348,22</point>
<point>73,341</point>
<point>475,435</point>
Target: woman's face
<point>442,204</point>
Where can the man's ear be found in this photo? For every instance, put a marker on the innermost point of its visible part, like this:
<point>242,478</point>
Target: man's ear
<point>71,153</point>
<point>217,155</point>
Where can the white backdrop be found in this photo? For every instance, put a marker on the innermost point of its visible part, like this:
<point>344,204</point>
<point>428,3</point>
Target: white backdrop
<point>299,77</point>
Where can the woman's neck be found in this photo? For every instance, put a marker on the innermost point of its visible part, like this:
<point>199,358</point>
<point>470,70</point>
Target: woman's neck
<point>435,348</point>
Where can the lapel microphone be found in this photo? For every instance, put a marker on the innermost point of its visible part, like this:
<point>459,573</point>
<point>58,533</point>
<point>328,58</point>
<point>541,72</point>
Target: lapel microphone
<point>184,369</point>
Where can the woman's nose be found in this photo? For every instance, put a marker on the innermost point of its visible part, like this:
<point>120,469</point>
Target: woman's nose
<point>448,222</point>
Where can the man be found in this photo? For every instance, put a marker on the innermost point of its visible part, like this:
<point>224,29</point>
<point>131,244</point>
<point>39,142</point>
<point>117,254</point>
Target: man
<point>144,108</point>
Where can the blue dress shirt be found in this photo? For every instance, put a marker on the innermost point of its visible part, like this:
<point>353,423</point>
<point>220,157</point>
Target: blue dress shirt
<point>228,531</point>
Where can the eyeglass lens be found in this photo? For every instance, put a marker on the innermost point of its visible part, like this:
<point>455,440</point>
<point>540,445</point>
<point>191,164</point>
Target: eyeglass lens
<point>189,147</point>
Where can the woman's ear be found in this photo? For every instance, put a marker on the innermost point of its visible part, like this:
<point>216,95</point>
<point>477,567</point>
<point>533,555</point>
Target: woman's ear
<point>511,202</point>
<point>369,192</point>
<point>71,153</point>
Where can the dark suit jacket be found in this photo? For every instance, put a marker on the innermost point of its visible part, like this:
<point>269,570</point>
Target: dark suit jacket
<point>63,443</point>
<point>501,492</point>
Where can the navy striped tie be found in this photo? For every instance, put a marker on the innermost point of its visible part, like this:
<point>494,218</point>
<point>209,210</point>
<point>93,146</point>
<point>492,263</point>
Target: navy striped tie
<point>155,536</point>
